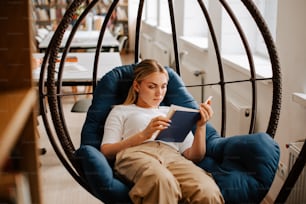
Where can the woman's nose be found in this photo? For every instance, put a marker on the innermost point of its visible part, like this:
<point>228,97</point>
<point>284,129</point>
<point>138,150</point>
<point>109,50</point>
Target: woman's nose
<point>158,91</point>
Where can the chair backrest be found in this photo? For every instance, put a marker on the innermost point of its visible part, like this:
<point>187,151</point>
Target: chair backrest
<point>112,89</point>
<point>122,42</point>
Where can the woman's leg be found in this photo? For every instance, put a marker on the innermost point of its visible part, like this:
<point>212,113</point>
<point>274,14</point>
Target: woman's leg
<point>153,183</point>
<point>197,186</point>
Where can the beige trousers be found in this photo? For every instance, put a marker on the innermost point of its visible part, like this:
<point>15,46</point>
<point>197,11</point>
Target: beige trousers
<point>161,175</point>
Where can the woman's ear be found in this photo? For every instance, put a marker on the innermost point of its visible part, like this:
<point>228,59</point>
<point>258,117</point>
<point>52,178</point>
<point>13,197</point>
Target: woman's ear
<point>136,86</point>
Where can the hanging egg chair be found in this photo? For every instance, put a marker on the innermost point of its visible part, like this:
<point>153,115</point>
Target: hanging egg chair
<point>243,166</point>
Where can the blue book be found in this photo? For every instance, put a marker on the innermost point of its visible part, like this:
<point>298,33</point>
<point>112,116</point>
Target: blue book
<point>182,121</point>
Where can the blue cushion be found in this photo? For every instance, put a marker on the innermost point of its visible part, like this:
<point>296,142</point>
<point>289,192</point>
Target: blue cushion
<point>243,166</point>
<point>112,89</point>
<point>99,174</point>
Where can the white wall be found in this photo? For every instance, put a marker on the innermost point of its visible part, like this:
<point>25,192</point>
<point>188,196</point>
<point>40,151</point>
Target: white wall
<point>291,46</point>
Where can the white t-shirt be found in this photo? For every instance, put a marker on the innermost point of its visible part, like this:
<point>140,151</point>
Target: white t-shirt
<point>126,120</point>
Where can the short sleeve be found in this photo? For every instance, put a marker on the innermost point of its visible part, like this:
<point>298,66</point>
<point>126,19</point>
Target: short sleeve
<point>113,126</point>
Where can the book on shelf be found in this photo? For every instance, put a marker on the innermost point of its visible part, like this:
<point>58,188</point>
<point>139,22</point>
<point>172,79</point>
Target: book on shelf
<point>52,13</point>
<point>42,14</point>
<point>182,121</point>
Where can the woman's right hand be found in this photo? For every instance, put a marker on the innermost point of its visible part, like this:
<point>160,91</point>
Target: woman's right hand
<point>156,124</point>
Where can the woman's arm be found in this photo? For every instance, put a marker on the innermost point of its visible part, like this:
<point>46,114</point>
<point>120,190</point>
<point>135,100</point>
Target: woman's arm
<point>198,149</point>
<point>111,149</point>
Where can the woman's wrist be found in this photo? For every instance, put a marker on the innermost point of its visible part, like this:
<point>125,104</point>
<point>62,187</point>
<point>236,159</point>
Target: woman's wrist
<point>201,130</point>
<point>144,135</point>
<point>201,127</point>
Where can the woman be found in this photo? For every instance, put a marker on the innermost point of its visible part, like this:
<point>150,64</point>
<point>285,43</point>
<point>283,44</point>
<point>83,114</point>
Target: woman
<point>161,172</point>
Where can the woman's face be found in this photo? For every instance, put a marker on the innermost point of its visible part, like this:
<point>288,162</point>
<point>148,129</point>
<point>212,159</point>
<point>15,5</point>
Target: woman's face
<point>151,90</point>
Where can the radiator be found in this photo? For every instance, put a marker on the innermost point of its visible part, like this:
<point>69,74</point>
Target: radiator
<point>145,46</point>
<point>161,54</point>
<point>298,193</point>
<point>238,112</point>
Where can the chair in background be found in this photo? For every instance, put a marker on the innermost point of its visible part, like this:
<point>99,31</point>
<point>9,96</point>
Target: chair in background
<point>243,166</point>
<point>122,43</point>
<point>81,106</point>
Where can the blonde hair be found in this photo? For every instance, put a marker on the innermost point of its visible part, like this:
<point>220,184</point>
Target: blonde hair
<point>141,71</point>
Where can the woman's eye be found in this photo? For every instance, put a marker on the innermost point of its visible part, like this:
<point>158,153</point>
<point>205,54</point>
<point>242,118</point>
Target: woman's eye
<point>164,86</point>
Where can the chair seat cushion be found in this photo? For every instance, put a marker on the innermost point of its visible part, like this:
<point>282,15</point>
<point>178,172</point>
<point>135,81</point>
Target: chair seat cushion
<point>243,166</point>
<point>244,169</point>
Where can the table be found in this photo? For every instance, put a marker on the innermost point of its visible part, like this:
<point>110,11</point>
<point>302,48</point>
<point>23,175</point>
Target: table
<point>80,73</point>
<point>83,40</point>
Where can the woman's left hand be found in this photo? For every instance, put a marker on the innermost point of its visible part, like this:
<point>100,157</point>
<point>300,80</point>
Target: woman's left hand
<point>206,114</point>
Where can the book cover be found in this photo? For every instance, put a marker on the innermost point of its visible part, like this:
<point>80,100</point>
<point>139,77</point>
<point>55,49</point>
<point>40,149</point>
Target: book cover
<point>182,121</point>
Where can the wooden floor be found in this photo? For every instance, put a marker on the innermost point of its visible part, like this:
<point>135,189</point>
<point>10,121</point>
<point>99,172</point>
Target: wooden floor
<point>127,58</point>
<point>58,186</point>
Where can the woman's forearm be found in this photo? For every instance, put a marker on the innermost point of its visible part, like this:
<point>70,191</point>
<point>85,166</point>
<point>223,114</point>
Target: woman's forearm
<point>198,149</point>
<point>110,150</point>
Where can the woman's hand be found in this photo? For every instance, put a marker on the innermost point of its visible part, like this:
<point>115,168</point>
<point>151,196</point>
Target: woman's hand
<point>198,149</point>
<point>157,123</point>
<point>206,113</point>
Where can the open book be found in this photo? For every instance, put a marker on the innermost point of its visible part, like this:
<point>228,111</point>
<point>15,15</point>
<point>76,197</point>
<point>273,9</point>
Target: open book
<point>182,121</point>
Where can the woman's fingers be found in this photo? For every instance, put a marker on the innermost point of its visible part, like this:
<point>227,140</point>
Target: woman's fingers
<point>160,123</point>
<point>206,112</point>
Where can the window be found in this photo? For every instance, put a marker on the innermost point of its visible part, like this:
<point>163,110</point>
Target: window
<point>157,14</point>
<point>188,17</point>
<point>194,20</point>
<point>150,12</point>
<point>231,42</point>
<point>164,21</point>
<point>194,26</point>
<point>233,51</point>
<point>268,9</point>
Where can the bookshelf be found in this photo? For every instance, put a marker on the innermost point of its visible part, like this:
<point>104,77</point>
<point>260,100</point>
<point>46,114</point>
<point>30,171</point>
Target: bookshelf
<point>18,139</point>
<point>121,21</point>
<point>48,12</point>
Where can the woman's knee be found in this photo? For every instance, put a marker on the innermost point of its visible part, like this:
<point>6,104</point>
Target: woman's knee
<point>207,194</point>
<point>156,186</point>
<point>165,178</point>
